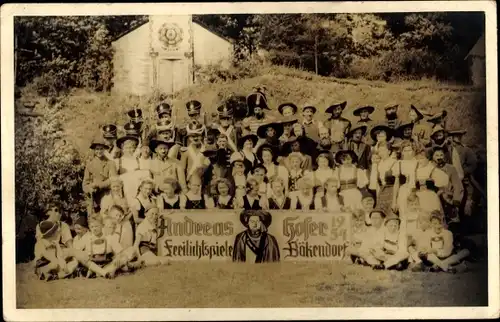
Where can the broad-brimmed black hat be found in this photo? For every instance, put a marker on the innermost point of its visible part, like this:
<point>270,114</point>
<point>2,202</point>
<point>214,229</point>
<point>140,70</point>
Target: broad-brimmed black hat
<point>99,142</point>
<point>310,107</point>
<point>381,127</point>
<point>368,108</point>
<point>400,130</point>
<point>330,108</point>
<point>154,142</point>
<point>282,107</point>
<point>356,127</point>
<point>341,153</point>
<point>245,138</point>
<point>48,228</point>
<point>278,128</point>
<point>265,217</point>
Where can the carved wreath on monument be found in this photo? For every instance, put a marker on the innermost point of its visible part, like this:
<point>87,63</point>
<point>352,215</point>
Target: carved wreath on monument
<point>170,35</point>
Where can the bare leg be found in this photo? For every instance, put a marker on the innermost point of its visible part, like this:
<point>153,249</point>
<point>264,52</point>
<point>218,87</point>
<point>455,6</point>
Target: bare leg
<point>413,255</point>
<point>368,258</point>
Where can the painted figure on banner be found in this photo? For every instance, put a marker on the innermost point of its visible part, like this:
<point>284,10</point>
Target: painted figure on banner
<point>255,244</point>
<point>338,125</point>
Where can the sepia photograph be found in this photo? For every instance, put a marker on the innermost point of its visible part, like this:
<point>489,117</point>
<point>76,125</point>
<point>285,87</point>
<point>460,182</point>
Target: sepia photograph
<point>155,152</point>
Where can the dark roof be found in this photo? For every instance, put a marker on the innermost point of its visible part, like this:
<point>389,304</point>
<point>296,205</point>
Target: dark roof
<point>196,22</point>
<point>478,49</point>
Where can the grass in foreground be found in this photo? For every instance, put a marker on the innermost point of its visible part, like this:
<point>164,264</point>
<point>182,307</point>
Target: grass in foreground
<point>224,285</point>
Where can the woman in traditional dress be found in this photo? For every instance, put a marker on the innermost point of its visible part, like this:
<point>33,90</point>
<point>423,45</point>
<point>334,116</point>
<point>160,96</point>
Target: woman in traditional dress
<point>384,178</point>
<point>223,195</point>
<point>351,178</point>
<point>143,201</point>
<point>246,145</point>
<point>323,171</point>
<point>429,180</point>
<point>169,197</point>
<point>407,168</point>
<point>303,198</point>
<point>278,199</point>
<point>267,154</point>
<point>295,171</point>
<point>194,198</point>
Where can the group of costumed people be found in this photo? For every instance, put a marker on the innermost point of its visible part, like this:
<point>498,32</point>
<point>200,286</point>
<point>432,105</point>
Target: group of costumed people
<point>408,184</point>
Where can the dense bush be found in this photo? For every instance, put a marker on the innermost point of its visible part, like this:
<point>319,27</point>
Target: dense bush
<point>47,169</point>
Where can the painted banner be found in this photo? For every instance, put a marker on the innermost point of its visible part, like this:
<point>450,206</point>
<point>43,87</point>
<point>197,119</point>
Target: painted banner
<point>230,235</point>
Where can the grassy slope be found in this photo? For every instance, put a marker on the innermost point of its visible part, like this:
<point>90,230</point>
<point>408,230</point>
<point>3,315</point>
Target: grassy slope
<point>85,112</point>
<point>220,285</point>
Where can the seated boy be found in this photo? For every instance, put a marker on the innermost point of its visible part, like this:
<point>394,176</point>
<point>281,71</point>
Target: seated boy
<point>103,254</point>
<point>52,258</point>
<point>146,237</point>
<point>365,243</point>
<point>393,252</point>
<point>436,247</point>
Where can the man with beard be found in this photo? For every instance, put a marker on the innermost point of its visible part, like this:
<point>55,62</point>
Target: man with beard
<point>193,162</point>
<point>255,245</point>
<point>325,143</point>
<point>461,155</point>
<point>225,126</point>
<point>439,139</point>
<point>391,117</point>
<point>355,143</point>
<point>421,128</point>
<point>451,197</point>
<point>257,103</point>
<point>337,125</point>
<point>364,115</point>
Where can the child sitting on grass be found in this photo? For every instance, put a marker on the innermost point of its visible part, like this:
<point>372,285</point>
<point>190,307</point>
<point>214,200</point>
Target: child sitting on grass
<point>53,259</point>
<point>145,245</point>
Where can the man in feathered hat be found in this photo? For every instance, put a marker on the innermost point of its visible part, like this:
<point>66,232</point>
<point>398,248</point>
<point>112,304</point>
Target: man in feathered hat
<point>193,162</point>
<point>337,125</point>
<point>255,244</point>
<point>225,126</point>
<point>257,104</point>
<point>356,144</point>
<point>391,117</point>
<point>421,128</point>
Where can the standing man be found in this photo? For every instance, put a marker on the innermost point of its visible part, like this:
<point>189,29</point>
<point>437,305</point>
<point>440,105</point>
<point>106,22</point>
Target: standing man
<point>451,198</point>
<point>311,127</point>
<point>439,140</point>
<point>225,126</point>
<point>364,115</point>
<point>287,109</point>
<point>193,108</point>
<point>355,143</point>
<point>461,155</point>
<point>421,128</point>
<point>391,117</point>
<point>193,162</point>
<point>257,103</point>
<point>338,125</point>
<point>109,135</point>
